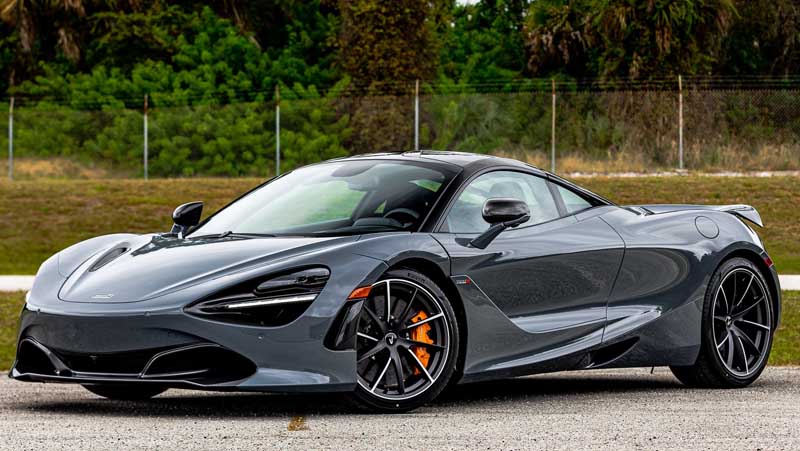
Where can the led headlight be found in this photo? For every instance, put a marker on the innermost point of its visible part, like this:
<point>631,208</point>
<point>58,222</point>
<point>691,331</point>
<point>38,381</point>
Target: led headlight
<point>272,301</point>
<point>268,302</point>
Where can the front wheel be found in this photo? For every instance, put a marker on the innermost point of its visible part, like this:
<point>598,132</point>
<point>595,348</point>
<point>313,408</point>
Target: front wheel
<point>126,392</point>
<point>738,325</point>
<point>407,344</point>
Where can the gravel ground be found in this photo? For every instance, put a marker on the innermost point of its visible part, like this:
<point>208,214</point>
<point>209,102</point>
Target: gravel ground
<point>621,409</point>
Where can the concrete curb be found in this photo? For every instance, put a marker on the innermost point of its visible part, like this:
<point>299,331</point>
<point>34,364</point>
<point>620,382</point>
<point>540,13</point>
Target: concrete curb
<point>24,283</point>
<point>16,283</point>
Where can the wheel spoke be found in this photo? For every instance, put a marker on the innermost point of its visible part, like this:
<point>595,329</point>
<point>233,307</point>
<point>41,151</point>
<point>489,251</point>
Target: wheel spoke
<point>426,320</point>
<point>753,323</point>
<point>362,335</point>
<point>749,284</point>
<point>380,377</point>
<point>374,350</point>
<point>374,318</point>
<point>398,371</point>
<point>408,342</point>
<point>729,360</point>
<point>719,345</point>
<point>741,335</point>
<point>744,312</point>
<point>725,297</point>
<point>388,301</point>
<point>420,365</point>
<point>402,318</point>
<point>744,354</point>
<point>721,318</point>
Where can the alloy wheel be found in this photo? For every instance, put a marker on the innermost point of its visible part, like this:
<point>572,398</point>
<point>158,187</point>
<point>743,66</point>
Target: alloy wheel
<point>742,322</point>
<point>403,340</point>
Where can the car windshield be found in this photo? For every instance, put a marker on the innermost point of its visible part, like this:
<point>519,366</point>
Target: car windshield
<point>338,198</point>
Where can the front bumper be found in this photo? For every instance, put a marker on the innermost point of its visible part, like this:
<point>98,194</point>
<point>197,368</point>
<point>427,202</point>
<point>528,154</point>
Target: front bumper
<point>92,343</point>
<point>125,349</point>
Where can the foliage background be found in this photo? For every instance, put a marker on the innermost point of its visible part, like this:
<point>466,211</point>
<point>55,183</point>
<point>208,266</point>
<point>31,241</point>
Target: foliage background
<point>79,71</point>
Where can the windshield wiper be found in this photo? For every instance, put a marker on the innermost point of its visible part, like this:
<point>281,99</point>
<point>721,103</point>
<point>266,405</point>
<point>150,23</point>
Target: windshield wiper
<point>251,235</point>
<point>228,233</point>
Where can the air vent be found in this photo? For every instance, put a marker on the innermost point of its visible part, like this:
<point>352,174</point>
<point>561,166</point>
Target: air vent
<point>108,258</point>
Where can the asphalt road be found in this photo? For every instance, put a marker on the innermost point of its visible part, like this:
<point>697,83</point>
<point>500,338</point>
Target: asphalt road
<point>625,409</point>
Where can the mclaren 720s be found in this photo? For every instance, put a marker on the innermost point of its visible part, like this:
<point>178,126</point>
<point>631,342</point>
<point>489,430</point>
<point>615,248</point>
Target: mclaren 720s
<point>389,277</point>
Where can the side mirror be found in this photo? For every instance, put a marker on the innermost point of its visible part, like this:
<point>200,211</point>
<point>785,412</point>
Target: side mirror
<point>185,217</point>
<point>501,213</point>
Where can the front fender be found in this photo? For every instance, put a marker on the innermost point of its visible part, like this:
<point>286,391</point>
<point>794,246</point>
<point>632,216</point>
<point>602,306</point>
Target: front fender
<point>395,248</point>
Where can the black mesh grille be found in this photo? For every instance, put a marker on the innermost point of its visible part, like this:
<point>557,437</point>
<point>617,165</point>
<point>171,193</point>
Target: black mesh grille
<point>132,362</point>
<point>201,363</point>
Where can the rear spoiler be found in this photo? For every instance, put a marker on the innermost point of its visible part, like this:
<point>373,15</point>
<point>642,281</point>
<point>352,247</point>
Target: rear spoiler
<point>742,211</point>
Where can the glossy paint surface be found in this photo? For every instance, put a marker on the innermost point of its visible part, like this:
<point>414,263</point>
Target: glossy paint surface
<point>607,286</point>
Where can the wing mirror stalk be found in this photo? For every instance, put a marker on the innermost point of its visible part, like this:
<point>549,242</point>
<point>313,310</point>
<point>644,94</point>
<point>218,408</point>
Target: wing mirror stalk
<point>502,214</point>
<point>185,217</point>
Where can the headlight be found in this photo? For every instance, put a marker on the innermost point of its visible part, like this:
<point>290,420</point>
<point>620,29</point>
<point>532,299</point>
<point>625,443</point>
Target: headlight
<point>272,301</point>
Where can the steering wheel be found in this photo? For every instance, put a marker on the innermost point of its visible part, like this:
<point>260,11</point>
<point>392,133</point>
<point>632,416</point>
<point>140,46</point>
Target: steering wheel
<point>402,213</point>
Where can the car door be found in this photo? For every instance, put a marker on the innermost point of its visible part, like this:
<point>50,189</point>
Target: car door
<point>551,275</point>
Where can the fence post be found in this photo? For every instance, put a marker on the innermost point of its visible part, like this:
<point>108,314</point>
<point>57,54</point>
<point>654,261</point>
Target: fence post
<point>680,123</point>
<point>11,139</point>
<point>416,117</point>
<point>277,130</point>
<point>553,130</point>
<point>146,150</point>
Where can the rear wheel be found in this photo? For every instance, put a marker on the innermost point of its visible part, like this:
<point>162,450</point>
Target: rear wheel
<point>407,343</point>
<point>738,324</point>
<point>126,392</point>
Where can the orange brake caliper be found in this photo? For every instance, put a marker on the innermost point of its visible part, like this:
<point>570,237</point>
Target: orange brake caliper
<point>420,333</point>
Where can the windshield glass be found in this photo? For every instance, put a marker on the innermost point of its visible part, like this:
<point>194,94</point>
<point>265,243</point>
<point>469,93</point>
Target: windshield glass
<point>340,198</point>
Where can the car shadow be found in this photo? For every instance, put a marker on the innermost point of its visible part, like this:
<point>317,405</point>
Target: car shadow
<point>179,403</point>
<point>551,386</point>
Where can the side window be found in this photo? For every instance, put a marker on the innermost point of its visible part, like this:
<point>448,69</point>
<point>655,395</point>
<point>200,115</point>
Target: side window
<point>466,214</point>
<point>572,201</point>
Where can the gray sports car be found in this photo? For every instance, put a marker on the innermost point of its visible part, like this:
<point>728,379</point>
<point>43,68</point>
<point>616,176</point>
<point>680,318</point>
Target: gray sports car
<point>393,276</point>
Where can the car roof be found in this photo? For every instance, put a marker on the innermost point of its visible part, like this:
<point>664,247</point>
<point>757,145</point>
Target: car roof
<point>471,163</point>
<point>461,159</point>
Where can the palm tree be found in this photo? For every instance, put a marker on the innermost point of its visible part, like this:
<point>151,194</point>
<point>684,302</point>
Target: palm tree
<point>34,19</point>
<point>627,38</point>
<point>62,22</point>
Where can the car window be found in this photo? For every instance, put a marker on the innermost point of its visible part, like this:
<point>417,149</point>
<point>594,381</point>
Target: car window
<point>572,201</point>
<point>466,215</point>
<point>336,198</point>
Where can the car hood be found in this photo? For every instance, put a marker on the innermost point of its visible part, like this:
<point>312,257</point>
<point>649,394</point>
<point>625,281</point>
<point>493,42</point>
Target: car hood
<point>139,268</point>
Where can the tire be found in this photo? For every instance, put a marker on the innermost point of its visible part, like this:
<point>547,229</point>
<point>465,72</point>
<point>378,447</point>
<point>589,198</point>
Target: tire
<point>126,392</point>
<point>425,370</point>
<point>723,361</point>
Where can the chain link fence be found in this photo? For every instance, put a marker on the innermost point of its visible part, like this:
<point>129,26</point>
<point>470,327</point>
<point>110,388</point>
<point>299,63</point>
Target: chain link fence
<point>587,129</point>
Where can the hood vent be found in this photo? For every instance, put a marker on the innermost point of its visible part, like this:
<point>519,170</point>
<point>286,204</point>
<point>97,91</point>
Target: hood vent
<point>108,258</point>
